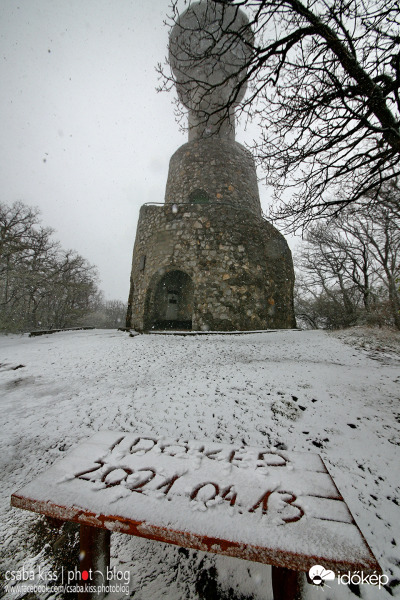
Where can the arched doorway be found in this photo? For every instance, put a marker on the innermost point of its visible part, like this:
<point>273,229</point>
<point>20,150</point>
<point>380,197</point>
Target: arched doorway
<point>173,302</point>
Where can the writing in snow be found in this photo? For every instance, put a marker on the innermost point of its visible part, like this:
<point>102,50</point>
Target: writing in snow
<point>206,475</point>
<point>242,501</point>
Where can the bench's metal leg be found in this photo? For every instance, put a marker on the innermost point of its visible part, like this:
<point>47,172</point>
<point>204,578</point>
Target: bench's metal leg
<point>94,560</point>
<point>286,584</point>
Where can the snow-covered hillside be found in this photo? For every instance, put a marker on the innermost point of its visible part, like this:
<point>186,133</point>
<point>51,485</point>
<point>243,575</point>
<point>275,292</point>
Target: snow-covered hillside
<point>310,391</point>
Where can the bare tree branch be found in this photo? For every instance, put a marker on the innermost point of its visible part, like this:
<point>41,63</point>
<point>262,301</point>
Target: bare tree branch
<point>323,79</point>
<point>355,260</point>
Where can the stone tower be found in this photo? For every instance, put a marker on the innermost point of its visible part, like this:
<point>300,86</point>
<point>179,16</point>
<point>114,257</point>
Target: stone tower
<point>206,259</point>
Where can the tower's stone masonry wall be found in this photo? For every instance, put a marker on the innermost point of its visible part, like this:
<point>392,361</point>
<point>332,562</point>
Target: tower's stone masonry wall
<point>206,260</point>
<point>240,266</point>
<point>224,169</point>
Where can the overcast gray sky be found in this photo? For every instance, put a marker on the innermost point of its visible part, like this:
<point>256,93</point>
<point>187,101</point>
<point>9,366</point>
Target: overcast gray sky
<point>84,134</point>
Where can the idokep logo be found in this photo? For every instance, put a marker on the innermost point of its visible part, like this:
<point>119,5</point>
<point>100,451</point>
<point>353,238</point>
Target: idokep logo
<point>318,575</point>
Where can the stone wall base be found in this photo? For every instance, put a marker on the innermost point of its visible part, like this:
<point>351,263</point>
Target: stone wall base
<point>213,267</point>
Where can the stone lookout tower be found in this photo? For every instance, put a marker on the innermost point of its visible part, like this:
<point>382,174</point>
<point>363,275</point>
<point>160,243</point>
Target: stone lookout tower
<point>206,259</point>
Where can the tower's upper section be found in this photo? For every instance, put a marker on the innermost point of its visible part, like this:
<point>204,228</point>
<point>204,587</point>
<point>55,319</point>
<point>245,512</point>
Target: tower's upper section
<point>209,49</point>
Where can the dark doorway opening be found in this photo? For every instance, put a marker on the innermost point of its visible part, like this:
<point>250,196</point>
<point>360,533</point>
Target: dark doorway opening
<point>173,302</point>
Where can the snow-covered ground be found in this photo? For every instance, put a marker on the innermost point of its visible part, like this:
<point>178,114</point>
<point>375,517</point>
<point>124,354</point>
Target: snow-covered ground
<point>335,394</point>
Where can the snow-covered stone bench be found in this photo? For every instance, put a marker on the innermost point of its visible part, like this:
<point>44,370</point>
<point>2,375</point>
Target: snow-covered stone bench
<point>258,504</point>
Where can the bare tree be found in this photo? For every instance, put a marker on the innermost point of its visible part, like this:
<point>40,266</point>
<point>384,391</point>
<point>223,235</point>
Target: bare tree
<point>40,284</point>
<point>24,249</point>
<point>354,260</point>
<point>383,240</point>
<point>107,314</point>
<point>319,308</point>
<point>325,287</point>
<point>73,284</point>
<point>324,80</point>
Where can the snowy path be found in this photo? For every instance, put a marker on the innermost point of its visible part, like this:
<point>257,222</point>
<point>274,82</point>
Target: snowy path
<point>302,391</point>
